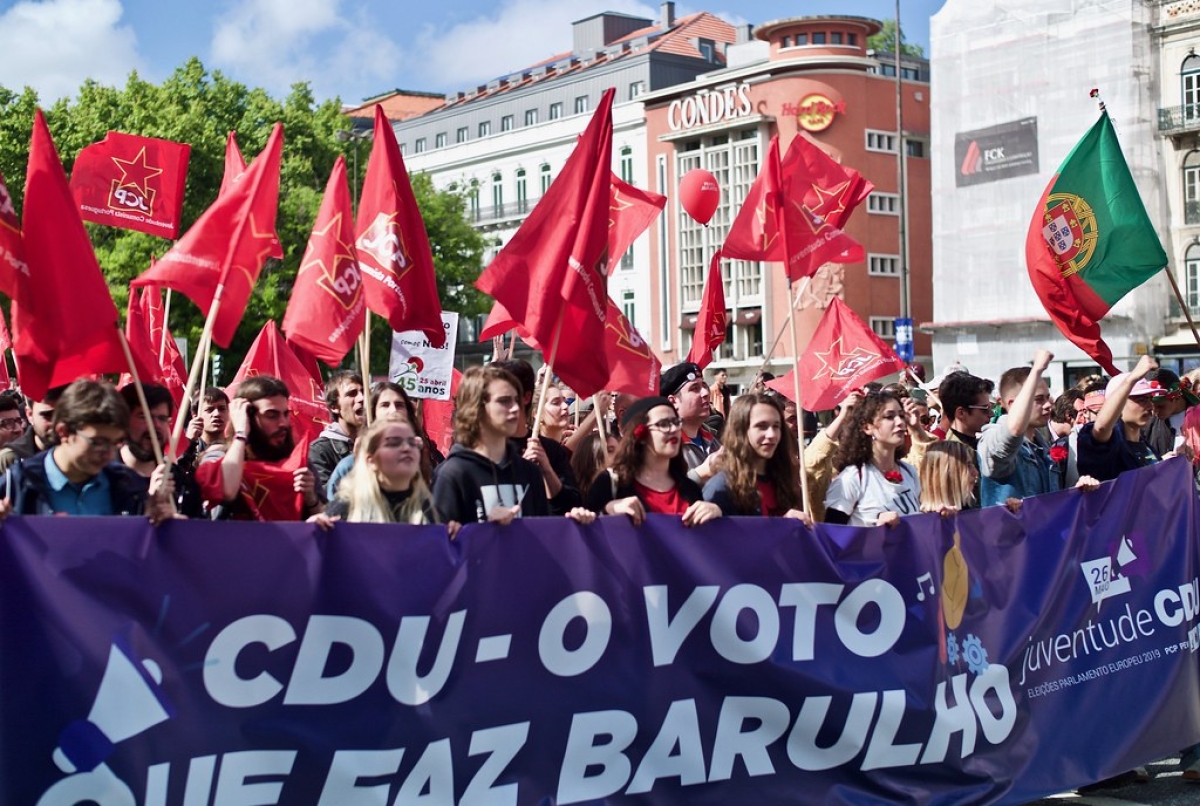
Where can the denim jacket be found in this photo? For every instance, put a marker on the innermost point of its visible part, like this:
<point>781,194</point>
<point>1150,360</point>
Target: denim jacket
<point>1012,466</point>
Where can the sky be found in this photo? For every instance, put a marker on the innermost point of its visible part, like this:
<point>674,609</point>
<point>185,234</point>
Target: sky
<point>351,49</point>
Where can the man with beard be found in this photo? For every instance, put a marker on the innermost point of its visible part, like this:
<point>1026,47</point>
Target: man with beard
<point>78,475</point>
<point>347,406</point>
<point>39,435</point>
<point>260,475</point>
<point>138,451</point>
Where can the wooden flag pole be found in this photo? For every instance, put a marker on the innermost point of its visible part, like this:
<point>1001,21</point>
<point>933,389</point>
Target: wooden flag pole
<point>365,363</point>
<point>1182,304</point>
<point>197,364</point>
<point>141,394</point>
<point>541,407</point>
<point>799,413</point>
<point>789,324</point>
<point>162,342</point>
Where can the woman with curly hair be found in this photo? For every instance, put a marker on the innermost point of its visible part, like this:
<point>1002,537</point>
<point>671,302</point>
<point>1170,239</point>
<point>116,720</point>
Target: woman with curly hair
<point>873,487</point>
<point>760,475</point>
<point>649,473</point>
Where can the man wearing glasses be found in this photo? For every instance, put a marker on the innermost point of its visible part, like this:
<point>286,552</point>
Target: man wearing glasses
<point>79,476</point>
<point>12,424</point>
<point>38,436</point>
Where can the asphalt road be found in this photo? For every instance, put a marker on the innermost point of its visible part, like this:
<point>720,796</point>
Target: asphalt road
<point>1166,788</point>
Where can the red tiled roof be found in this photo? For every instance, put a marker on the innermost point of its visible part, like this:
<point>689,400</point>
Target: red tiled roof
<point>399,105</point>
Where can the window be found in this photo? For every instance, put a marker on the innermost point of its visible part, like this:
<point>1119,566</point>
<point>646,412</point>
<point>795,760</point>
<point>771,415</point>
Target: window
<point>581,104</point>
<point>1189,76</point>
<point>439,140</point>
<point>531,117</point>
<point>835,38</point>
<point>636,89</point>
<point>818,38</point>
<point>485,128</point>
<point>883,203</point>
<point>626,164</point>
<point>403,148</point>
<point>498,193</point>
<point>627,259</point>
<point>461,135</point>
<point>473,198</point>
<point>708,50</point>
<point>852,39</point>
<point>556,110</point>
<point>522,193</point>
<point>546,178</point>
<point>884,327</point>
<point>786,43</point>
<point>801,39</point>
<point>1191,188</point>
<point>629,304</point>
<point>883,265</point>
<point>419,146</point>
<point>881,141</point>
<point>915,148</point>
<point>1192,280</point>
<point>506,123</point>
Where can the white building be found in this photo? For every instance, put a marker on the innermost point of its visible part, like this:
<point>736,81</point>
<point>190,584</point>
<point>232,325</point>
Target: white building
<point>1012,79</point>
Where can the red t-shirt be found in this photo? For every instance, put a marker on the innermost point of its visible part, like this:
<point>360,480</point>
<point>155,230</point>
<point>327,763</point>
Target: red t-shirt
<point>766,495</point>
<point>664,503</point>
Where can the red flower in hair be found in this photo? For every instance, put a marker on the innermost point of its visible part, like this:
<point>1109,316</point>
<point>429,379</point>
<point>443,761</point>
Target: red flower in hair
<point>894,476</point>
<point>1058,454</point>
<point>641,432</point>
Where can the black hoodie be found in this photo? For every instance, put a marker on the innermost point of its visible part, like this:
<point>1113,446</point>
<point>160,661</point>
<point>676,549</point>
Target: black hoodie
<point>468,485</point>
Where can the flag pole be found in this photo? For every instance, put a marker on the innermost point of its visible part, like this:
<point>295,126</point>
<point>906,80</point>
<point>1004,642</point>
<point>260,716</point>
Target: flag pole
<point>197,365</point>
<point>162,342</point>
<point>799,412</point>
<point>1182,305</point>
<point>141,394</point>
<point>365,363</point>
<point>789,323</point>
<point>541,407</point>
<point>601,416</point>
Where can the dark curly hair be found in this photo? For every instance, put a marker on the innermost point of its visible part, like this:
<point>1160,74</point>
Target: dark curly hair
<point>631,452</point>
<point>854,446</point>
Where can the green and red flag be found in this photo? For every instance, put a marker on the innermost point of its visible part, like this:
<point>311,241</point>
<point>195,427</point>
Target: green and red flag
<point>1090,241</point>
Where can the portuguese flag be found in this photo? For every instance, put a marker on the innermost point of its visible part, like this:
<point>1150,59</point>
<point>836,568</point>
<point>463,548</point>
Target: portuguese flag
<point>1090,241</point>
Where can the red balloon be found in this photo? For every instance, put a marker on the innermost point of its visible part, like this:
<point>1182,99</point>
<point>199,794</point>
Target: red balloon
<point>699,194</point>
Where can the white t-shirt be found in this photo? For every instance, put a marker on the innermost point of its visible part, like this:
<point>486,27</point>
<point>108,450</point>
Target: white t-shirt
<point>864,494</point>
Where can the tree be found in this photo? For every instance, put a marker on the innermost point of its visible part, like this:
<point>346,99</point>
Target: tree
<point>201,108</point>
<point>885,41</point>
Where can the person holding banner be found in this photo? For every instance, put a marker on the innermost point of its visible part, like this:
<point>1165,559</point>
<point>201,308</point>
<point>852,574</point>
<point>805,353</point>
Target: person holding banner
<point>873,487</point>
<point>385,485</point>
<point>649,473</point>
<point>761,473</point>
<point>485,477</point>
<point>948,477</point>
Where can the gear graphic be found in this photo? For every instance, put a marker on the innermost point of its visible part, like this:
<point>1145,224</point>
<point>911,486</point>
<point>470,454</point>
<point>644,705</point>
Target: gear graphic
<point>974,654</point>
<point>952,648</point>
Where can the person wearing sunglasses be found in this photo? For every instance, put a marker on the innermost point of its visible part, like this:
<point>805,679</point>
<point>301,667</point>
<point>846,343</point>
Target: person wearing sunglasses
<point>80,474</point>
<point>649,473</point>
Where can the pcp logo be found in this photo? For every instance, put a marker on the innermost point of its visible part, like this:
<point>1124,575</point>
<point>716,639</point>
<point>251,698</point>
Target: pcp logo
<point>1103,575</point>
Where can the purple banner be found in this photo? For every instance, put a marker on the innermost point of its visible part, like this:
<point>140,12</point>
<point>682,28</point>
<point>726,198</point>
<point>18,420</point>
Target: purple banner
<point>988,658</point>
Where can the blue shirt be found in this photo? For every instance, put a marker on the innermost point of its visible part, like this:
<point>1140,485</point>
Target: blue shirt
<point>93,497</point>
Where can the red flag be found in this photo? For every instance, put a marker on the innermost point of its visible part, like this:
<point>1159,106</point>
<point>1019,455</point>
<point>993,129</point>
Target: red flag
<point>270,355</point>
<point>775,222</point>
<point>227,245</point>
<point>166,352</point>
<point>267,489</point>
<point>132,182</point>
<point>63,314</point>
<point>499,321</point>
<point>6,381</point>
<point>235,166</point>
<point>326,312</point>
<point>632,211</point>
<point>393,249</point>
<point>554,269</point>
<point>843,355</point>
<point>141,346</point>
<point>439,416</point>
<point>12,249</point>
<point>712,321</point>
<point>836,189</point>
<point>633,366</point>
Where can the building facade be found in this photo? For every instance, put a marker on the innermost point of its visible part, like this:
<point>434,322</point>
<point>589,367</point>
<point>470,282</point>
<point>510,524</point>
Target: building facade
<point>807,77</point>
<point>1013,83</point>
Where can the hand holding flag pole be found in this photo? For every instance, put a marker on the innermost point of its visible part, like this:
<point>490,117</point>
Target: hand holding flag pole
<point>141,395</point>
<point>549,370</point>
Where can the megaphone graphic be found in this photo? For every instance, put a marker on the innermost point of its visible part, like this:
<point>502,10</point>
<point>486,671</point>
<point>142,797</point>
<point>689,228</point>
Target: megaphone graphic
<point>129,701</point>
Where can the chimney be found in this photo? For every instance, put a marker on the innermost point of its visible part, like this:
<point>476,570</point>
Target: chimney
<point>668,14</point>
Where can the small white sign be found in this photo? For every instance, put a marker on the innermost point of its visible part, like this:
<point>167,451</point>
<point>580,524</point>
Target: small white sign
<point>424,370</point>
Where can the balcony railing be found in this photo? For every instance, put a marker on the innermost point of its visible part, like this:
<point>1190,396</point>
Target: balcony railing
<point>1179,119</point>
<point>500,212</point>
<point>1191,212</point>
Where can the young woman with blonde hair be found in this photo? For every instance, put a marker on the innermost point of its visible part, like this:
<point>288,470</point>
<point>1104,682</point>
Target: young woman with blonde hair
<point>385,485</point>
<point>948,476</point>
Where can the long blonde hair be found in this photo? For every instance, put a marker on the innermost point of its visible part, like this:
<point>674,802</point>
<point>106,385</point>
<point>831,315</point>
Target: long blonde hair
<point>361,491</point>
<point>946,476</point>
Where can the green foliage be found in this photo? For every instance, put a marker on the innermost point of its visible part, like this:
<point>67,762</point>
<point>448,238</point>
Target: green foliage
<point>198,107</point>
<point>885,41</point>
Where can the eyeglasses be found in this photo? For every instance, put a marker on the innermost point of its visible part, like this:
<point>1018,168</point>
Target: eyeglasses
<point>669,424</point>
<point>981,408</point>
<point>403,442</point>
<point>12,423</point>
<point>101,444</point>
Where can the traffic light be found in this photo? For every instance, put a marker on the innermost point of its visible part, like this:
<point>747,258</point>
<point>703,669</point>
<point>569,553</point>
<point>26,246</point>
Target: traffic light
<point>216,369</point>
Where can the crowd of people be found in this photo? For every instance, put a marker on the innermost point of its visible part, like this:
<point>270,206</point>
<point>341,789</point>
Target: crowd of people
<point>696,451</point>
